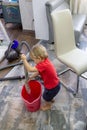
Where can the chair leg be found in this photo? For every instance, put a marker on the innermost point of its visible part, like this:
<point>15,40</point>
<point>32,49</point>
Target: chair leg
<point>67,88</point>
<point>64,71</point>
<point>77,84</point>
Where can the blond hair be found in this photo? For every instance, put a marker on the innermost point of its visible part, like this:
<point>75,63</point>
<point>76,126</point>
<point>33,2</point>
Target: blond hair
<point>37,51</point>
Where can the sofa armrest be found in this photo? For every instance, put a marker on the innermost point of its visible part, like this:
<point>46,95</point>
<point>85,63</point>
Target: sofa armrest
<point>53,4</point>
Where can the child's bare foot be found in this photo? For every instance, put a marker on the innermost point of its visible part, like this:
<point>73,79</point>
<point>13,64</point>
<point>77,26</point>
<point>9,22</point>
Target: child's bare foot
<point>45,107</point>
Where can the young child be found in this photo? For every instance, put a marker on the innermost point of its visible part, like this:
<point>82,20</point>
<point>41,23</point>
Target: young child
<point>46,70</point>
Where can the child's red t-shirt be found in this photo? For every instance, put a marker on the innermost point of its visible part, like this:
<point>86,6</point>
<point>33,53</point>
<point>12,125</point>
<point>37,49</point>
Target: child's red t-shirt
<point>48,73</point>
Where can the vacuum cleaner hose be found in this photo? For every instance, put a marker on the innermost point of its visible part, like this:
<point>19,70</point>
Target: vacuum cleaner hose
<point>26,44</point>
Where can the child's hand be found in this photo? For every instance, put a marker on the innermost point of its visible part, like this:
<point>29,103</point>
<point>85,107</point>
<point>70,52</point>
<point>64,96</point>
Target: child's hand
<point>23,57</point>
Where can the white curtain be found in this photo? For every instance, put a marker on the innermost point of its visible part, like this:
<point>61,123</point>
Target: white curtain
<point>78,6</point>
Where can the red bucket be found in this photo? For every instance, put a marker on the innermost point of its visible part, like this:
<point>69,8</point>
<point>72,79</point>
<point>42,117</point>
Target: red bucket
<point>32,100</point>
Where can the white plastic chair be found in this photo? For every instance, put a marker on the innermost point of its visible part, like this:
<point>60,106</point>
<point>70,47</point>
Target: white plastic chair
<point>65,46</point>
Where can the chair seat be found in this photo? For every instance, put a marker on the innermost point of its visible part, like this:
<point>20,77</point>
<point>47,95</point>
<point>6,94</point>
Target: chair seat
<point>76,59</point>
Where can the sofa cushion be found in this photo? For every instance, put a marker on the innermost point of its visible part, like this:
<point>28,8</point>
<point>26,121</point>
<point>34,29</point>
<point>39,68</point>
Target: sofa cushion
<point>78,24</point>
<point>78,21</point>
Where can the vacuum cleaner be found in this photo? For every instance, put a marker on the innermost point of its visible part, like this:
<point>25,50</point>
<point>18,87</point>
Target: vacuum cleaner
<point>13,53</point>
<point>14,50</point>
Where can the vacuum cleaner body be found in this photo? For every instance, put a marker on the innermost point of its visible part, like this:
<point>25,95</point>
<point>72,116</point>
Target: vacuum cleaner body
<point>13,51</point>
